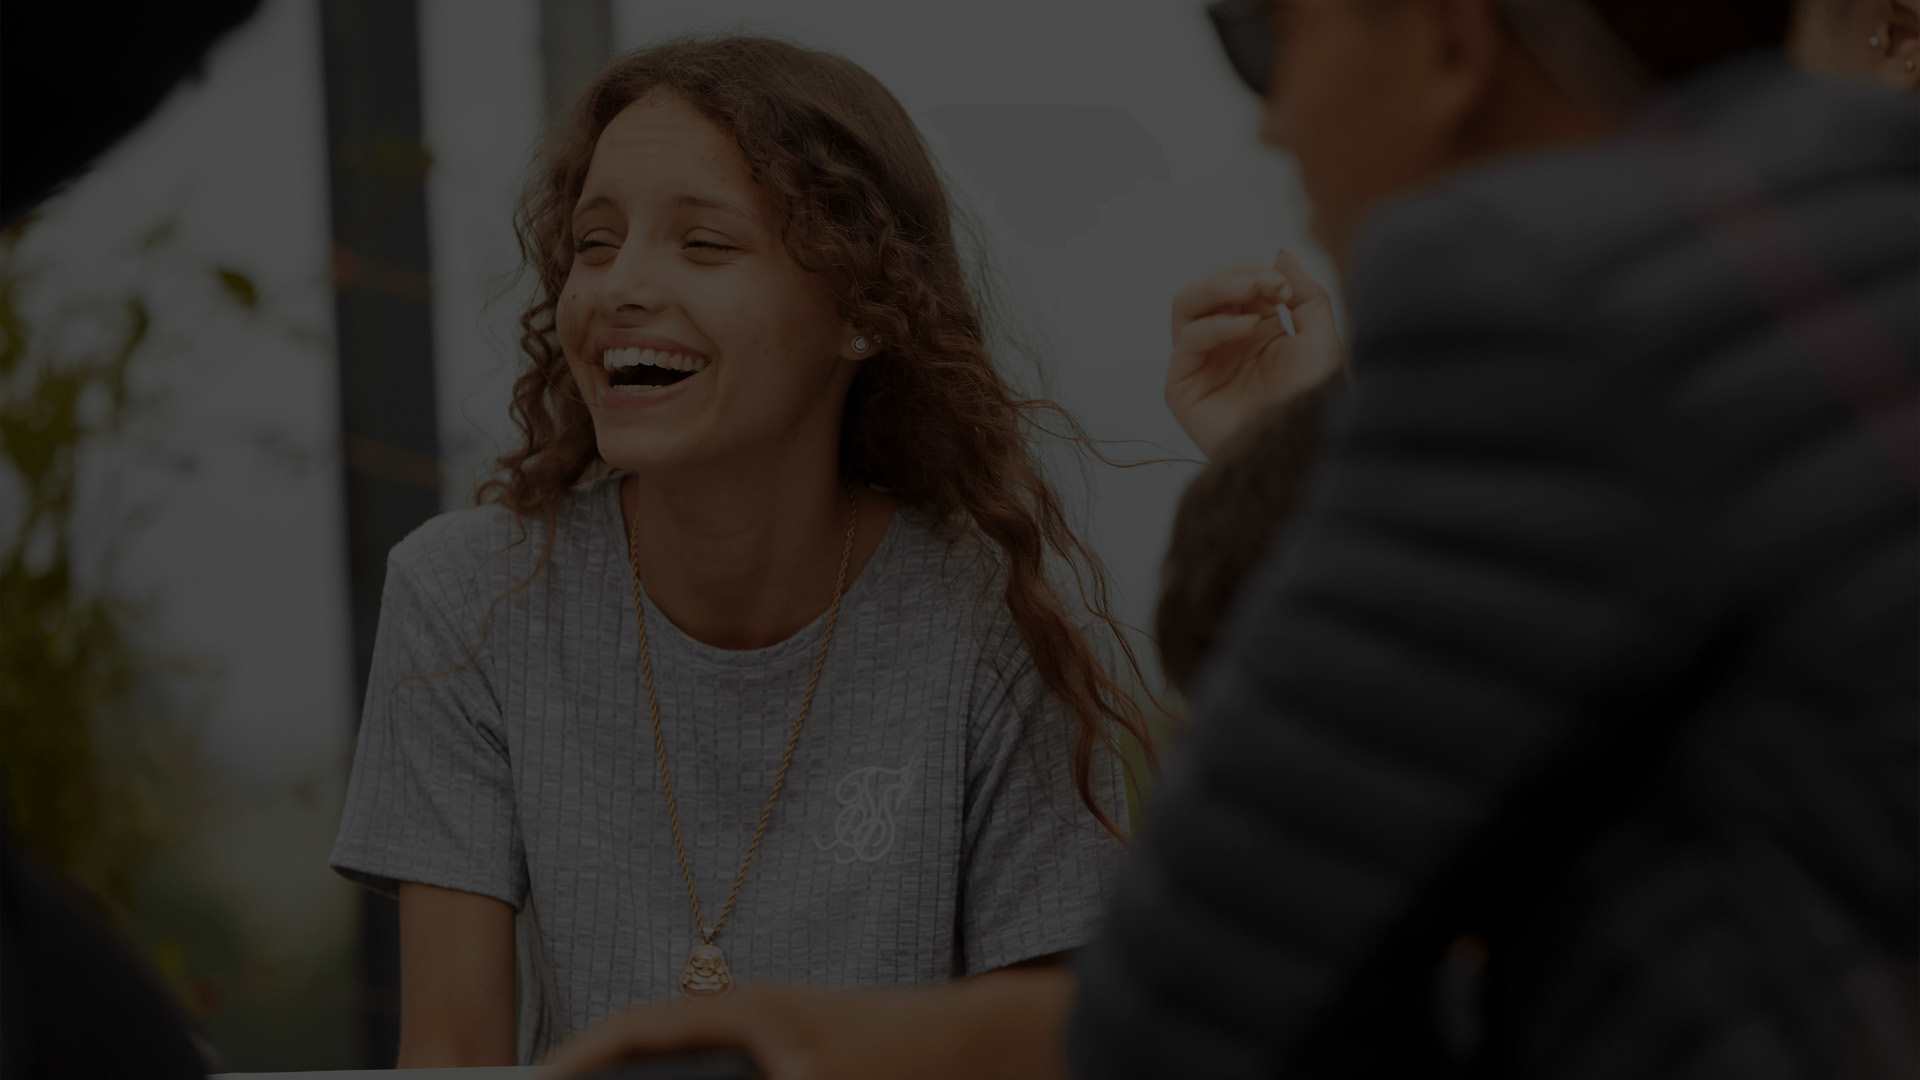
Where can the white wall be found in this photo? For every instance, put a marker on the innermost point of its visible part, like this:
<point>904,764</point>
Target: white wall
<point>247,554</point>
<point>480,79</point>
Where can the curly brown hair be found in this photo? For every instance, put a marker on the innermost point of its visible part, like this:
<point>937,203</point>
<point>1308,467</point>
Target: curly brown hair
<point>929,420</point>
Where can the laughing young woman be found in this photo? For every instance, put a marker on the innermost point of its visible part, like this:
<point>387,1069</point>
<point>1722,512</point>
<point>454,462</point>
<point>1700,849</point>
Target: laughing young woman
<point>751,665</point>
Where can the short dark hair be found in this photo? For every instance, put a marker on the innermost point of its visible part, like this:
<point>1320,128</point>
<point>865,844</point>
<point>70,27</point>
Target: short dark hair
<point>1225,523</point>
<point>1676,39</point>
<point>1672,39</point>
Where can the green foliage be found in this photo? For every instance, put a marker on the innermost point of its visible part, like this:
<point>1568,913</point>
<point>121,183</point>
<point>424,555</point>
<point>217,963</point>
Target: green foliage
<point>239,287</point>
<point>92,775</point>
<point>64,655</point>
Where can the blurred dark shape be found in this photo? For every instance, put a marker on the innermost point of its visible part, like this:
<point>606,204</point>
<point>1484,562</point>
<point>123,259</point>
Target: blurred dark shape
<point>1225,523</point>
<point>77,77</point>
<point>1672,41</point>
<point>1667,39</point>
<point>74,999</point>
<point>1596,637</point>
<point>698,1065</point>
<point>1245,29</point>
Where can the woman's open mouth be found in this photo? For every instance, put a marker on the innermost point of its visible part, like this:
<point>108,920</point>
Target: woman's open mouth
<point>643,371</point>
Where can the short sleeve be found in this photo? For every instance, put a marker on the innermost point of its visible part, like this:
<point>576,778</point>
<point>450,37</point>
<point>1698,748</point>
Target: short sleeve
<point>1037,865</point>
<point>431,799</point>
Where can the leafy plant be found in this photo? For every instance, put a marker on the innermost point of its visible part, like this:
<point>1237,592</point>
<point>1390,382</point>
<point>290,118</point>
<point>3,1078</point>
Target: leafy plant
<point>91,768</point>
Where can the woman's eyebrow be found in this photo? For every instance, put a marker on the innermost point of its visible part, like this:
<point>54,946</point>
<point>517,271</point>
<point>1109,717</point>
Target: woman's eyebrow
<point>702,202</point>
<point>598,202</point>
<point>682,201</point>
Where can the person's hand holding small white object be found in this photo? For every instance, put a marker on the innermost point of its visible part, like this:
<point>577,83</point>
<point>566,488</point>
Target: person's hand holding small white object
<point>1245,339</point>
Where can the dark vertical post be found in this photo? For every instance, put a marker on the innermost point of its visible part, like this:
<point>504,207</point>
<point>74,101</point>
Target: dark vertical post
<point>383,317</point>
<point>576,42</point>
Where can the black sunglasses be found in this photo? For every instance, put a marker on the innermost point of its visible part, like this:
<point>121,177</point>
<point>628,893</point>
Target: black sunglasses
<point>1245,29</point>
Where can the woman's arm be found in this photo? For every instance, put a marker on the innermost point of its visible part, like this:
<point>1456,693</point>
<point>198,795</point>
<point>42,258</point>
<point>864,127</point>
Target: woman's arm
<point>430,814</point>
<point>456,980</point>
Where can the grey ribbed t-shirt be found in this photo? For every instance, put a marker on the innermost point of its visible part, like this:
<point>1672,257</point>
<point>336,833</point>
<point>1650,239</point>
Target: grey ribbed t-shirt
<point>930,826</point>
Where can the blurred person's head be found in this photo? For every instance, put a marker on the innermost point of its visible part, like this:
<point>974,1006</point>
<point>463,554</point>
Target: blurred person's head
<point>1872,39</point>
<point>756,236</point>
<point>56,124</point>
<point>1381,97</point>
<point>1227,520</point>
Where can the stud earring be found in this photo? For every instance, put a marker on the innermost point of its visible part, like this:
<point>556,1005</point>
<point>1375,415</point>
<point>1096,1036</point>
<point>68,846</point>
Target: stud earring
<point>861,345</point>
<point>1877,42</point>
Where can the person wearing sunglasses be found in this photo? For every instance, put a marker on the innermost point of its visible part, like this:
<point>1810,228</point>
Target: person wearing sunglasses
<point>1594,636</point>
<point>1247,339</point>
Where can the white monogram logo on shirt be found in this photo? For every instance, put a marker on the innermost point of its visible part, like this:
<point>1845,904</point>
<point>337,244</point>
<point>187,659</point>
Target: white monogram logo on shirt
<point>870,800</point>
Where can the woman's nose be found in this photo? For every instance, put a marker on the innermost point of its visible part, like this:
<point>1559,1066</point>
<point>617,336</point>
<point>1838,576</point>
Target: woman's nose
<point>632,285</point>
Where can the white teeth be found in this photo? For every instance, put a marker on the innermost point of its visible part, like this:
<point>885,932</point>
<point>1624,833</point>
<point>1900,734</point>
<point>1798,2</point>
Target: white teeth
<point>620,359</point>
<point>673,361</point>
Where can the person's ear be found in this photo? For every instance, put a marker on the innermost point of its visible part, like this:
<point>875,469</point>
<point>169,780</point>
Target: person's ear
<point>1461,50</point>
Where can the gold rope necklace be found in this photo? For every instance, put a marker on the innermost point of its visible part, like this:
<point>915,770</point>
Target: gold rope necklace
<point>706,970</point>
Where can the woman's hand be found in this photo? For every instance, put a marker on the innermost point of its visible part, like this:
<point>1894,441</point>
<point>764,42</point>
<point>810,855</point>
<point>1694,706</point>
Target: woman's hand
<point>1232,355</point>
<point>1007,1024</point>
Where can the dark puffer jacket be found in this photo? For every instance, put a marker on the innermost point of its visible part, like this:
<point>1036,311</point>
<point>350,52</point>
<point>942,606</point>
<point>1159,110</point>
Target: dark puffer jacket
<point>1599,635</point>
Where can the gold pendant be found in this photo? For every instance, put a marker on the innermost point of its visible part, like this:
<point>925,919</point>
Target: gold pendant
<point>706,971</point>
